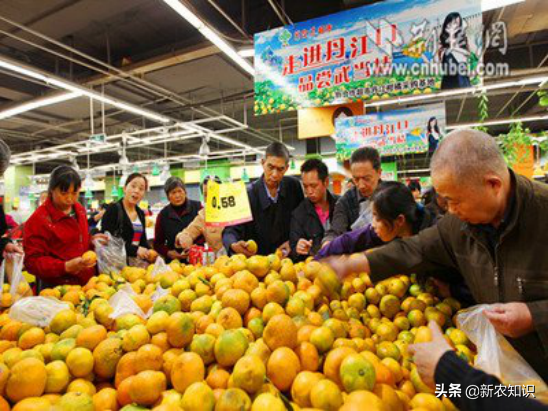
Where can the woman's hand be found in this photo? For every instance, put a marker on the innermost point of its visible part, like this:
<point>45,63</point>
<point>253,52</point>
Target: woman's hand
<point>13,248</point>
<point>182,242</point>
<point>75,266</point>
<point>175,255</point>
<point>142,253</point>
<point>101,238</point>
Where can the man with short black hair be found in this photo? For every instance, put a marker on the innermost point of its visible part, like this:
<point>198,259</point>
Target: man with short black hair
<point>272,198</point>
<point>353,208</point>
<point>313,216</point>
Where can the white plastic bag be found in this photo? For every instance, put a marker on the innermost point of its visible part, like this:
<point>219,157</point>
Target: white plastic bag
<point>122,303</point>
<point>37,311</point>
<point>159,293</point>
<point>11,269</point>
<point>160,267</point>
<point>111,257</point>
<point>496,355</point>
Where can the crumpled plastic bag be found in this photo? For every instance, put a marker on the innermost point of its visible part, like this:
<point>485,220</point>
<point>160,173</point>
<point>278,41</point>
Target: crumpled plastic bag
<point>12,269</point>
<point>160,267</point>
<point>37,311</point>
<point>159,293</point>
<point>122,303</point>
<point>111,257</point>
<point>496,355</point>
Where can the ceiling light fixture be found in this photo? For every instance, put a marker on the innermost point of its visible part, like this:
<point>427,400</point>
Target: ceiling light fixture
<point>54,81</point>
<point>498,122</point>
<point>31,105</point>
<point>209,34</point>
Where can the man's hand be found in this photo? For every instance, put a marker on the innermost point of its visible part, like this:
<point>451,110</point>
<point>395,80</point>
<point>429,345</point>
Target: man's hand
<point>101,238</point>
<point>345,265</point>
<point>427,355</point>
<point>303,247</point>
<point>180,242</point>
<point>75,265</point>
<point>285,249</point>
<point>241,248</point>
<point>174,255</point>
<point>13,248</point>
<point>142,253</point>
<point>511,319</point>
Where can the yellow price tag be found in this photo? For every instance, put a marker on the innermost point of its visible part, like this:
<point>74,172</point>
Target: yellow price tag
<point>143,205</point>
<point>227,204</point>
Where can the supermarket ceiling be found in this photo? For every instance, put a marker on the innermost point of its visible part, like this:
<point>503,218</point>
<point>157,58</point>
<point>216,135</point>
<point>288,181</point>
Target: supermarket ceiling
<point>143,53</point>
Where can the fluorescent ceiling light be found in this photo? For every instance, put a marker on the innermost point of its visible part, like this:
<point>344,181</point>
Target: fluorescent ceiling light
<point>247,52</point>
<point>209,34</point>
<point>498,122</point>
<point>487,5</point>
<point>29,72</point>
<point>31,105</point>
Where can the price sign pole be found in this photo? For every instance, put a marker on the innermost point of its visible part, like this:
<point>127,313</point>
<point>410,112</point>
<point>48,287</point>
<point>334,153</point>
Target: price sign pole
<point>227,204</point>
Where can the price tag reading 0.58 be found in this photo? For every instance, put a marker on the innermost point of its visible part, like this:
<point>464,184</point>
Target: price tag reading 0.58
<point>223,202</point>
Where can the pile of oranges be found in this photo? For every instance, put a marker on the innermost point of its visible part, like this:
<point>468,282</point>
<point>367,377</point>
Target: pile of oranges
<point>258,333</point>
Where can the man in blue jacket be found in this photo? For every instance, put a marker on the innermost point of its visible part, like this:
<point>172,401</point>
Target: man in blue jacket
<point>272,198</point>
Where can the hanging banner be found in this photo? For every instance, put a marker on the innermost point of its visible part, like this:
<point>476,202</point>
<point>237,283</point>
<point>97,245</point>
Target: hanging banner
<point>388,49</point>
<point>320,122</point>
<point>413,130</point>
<point>227,204</point>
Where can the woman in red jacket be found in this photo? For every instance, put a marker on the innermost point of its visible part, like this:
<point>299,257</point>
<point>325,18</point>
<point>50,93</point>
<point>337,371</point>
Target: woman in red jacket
<point>56,235</point>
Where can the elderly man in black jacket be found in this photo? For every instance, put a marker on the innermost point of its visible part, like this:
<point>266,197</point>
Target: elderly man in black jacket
<point>314,215</point>
<point>273,198</point>
<point>365,166</point>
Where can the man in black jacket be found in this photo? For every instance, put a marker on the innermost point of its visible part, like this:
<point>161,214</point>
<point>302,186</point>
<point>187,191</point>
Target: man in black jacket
<point>365,166</point>
<point>314,215</point>
<point>273,198</point>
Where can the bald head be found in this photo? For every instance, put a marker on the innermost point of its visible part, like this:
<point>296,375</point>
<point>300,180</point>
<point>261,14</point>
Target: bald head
<point>468,156</point>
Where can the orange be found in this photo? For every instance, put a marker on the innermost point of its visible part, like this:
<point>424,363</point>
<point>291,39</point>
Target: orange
<point>125,368</point>
<point>4,406</point>
<point>149,357</point>
<point>105,400</point>
<point>80,362</point>
<point>72,297</point>
<point>326,395</point>
<point>81,385</point>
<point>187,369</point>
<point>27,379</point>
<point>10,331</point>
<point>198,396</point>
<point>147,387</point>
<point>106,356</point>
<point>32,338</point>
<point>355,401</point>
<point>143,301</point>
<point>333,361</point>
<point>427,401</point>
<point>203,345</point>
<point>90,258</point>
<point>229,318</point>
<point>249,374</point>
<point>135,337</point>
<point>122,391</point>
<point>302,385</point>
<point>282,368</point>
<point>258,297</point>
<point>389,397</point>
<point>233,399</point>
<point>58,377</point>
<point>91,337</point>
<point>237,299</point>
<point>161,341</point>
<point>230,346</point>
<point>32,404</point>
<point>267,401</point>
<point>270,310</point>
<point>356,373</point>
<point>218,378</point>
<point>280,331</point>
<point>322,338</point>
<point>168,359</point>
<point>4,375</point>
<point>304,332</point>
<point>277,292</point>
<point>180,330</point>
<point>245,281</point>
<point>308,356</point>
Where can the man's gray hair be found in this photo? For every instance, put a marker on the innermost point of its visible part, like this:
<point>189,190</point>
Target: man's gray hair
<point>5,155</point>
<point>468,155</point>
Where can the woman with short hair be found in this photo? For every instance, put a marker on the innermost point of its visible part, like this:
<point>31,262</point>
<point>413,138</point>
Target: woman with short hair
<point>56,235</point>
<point>173,219</point>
